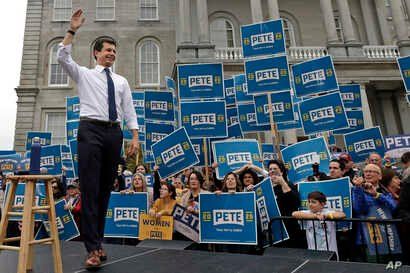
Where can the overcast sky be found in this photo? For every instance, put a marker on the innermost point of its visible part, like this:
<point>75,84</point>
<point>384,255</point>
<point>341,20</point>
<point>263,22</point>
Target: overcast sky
<point>12,21</point>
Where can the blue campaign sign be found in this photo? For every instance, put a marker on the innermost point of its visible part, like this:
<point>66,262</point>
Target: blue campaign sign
<point>247,119</point>
<point>204,118</point>
<point>241,89</point>
<point>159,105</point>
<point>186,223</point>
<point>201,81</point>
<point>267,75</point>
<point>314,76</point>
<point>198,145</point>
<point>7,152</point>
<point>294,124</point>
<point>45,139</point>
<point>51,159</point>
<point>73,108</point>
<point>66,226</point>
<point>323,113</point>
<point>170,84</point>
<point>300,157</point>
<point>351,95</point>
<point>404,66</point>
<point>138,98</point>
<point>228,218</point>
<point>155,132</point>
<point>337,193</point>
<point>234,128</point>
<point>233,154</point>
<point>229,86</point>
<point>397,145</point>
<point>67,161</point>
<point>267,208</point>
<point>360,144</point>
<point>9,163</point>
<point>72,129</point>
<point>24,165</point>
<point>127,134</point>
<point>122,219</point>
<point>265,38</point>
<point>268,153</point>
<point>40,199</point>
<point>174,153</point>
<point>355,120</point>
<point>74,155</point>
<point>386,235</point>
<point>282,108</point>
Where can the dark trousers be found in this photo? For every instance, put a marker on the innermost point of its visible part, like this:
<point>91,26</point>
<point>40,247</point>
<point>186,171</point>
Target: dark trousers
<point>99,148</point>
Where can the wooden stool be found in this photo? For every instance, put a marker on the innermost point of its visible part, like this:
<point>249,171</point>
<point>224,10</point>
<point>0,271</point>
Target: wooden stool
<point>26,239</point>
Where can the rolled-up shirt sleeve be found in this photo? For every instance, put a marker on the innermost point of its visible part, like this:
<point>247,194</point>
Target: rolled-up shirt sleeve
<point>66,61</point>
<point>130,116</point>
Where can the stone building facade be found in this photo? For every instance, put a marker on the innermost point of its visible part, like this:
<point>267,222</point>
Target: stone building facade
<point>363,36</point>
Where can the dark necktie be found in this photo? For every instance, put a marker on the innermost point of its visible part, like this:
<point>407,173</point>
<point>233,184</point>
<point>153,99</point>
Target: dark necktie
<point>112,109</point>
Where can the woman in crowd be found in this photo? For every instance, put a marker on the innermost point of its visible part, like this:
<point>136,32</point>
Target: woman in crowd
<point>231,183</point>
<point>190,199</point>
<point>390,183</point>
<point>248,178</point>
<point>139,184</point>
<point>179,187</point>
<point>288,200</point>
<point>166,202</point>
<point>141,168</point>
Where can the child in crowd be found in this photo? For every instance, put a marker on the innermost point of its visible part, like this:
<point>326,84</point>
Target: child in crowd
<point>320,234</point>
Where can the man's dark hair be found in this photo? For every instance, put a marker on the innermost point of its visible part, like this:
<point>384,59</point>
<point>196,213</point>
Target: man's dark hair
<point>341,162</point>
<point>317,195</point>
<point>405,158</point>
<point>99,44</point>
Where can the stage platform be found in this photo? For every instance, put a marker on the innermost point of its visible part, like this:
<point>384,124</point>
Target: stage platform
<point>170,257</point>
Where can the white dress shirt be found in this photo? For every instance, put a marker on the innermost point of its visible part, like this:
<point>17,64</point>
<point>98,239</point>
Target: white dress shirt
<point>93,90</point>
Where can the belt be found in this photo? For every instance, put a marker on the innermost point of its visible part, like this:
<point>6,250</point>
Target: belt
<point>101,122</point>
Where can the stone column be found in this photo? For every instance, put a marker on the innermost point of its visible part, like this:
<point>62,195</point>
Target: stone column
<point>185,48</point>
<point>256,10</point>
<point>401,27</point>
<point>370,22</point>
<point>384,26</point>
<point>273,9</point>
<point>390,117</point>
<point>205,49</point>
<point>354,48</point>
<point>367,116</point>
<point>335,47</point>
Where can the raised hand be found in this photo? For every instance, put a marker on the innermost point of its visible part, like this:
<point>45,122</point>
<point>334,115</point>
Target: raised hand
<point>77,20</point>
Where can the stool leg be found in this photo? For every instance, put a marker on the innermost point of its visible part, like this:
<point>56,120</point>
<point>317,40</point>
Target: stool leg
<point>58,267</point>
<point>30,257</point>
<point>26,227</point>
<point>7,207</point>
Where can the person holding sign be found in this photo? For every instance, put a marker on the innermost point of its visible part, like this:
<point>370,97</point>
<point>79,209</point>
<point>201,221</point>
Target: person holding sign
<point>231,183</point>
<point>166,202</point>
<point>105,100</point>
<point>320,235</point>
<point>190,199</point>
<point>138,184</point>
<point>288,200</point>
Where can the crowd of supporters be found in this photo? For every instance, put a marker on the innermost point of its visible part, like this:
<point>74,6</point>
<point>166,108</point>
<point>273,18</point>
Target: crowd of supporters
<point>377,182</point>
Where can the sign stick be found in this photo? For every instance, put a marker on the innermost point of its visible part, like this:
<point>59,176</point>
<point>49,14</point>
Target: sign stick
<point>274,129</point>
<point>206,161</point>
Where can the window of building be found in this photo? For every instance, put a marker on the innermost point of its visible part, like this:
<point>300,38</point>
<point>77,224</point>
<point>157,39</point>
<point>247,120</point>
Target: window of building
<point>222,33</point>
<point>149,63</point>
<point>148,10</point>
<point>62,10</point>
<point>339,29</point>
<point>55,123</point>
<point>105,10</point>
<point>289,33</point>
<point>57,76</point>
